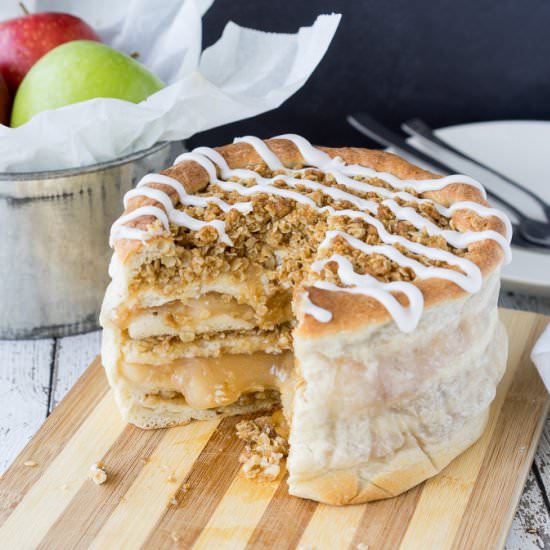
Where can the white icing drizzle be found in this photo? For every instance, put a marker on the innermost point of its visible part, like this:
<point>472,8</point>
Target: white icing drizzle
<point>470,281</point>
<point>316,157</point>
<point>322,315</point>
<point>272,160</point>
<point>406,317</point>
<point>482,211</point>
<point>202,160</point>
<point>185,198</point>
<point>169,214</point>
<point>213,156</point>
<point>420,186</point>
<point>454,238</point>
<point>121,231</point>
<point>266,186</point>
<point>437,254</point>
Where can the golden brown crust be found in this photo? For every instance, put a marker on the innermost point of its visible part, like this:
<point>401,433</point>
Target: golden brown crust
<point>349,311</point>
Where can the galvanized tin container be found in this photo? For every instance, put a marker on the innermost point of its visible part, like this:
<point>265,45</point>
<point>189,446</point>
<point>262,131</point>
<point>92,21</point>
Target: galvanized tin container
<point>54,252</point>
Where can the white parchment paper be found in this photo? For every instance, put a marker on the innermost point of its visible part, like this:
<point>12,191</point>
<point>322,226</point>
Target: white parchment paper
<point>246,72</point>
<point>541,356</point>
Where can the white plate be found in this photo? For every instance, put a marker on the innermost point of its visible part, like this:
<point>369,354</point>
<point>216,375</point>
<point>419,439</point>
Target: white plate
<point>521,150</point>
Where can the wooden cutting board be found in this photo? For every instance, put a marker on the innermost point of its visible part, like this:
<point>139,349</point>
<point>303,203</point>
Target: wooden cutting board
<point>181,487</point>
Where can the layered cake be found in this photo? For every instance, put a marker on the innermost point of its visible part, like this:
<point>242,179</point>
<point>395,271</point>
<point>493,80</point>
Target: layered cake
<point>357,290</point>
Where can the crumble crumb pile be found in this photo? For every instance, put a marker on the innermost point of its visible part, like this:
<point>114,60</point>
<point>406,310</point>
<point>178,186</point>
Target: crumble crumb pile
<point>98,473</point>
<point>265,449</point>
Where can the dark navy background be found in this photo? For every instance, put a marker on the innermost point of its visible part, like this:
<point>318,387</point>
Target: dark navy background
<point>448,61</point>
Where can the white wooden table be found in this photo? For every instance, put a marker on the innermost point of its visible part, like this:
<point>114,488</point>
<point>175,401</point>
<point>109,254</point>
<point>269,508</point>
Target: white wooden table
<point>36,374</point>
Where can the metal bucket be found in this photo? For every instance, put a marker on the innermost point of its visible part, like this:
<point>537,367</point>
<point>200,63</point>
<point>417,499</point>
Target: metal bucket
<point>54,249</point>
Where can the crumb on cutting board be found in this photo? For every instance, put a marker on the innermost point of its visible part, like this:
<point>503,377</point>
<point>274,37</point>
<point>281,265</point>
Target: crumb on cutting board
<point>171,478</point>
<point>98,473</point>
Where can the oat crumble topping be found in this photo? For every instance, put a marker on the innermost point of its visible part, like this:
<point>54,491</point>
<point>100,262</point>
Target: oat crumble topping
<point>282,237</point>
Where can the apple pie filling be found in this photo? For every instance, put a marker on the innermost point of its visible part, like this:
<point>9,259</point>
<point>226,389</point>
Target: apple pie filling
<point>210,349</point>
<point>213,381</point>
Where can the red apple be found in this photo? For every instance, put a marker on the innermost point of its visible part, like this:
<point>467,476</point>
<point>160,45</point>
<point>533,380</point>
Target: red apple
<point>24,40</point>
<point>5,102</point>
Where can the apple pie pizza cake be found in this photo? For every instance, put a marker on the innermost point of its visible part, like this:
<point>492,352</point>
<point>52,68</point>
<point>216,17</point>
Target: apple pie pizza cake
<point>352,287</point>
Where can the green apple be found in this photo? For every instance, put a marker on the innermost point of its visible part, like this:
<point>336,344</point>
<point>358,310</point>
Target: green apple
<point>78,71</point>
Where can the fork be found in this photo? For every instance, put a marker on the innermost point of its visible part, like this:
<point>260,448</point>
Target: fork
<point>533,230</point>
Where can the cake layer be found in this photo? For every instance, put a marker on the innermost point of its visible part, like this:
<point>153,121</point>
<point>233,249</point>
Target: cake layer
<point>211,382</point>
<point>210,313</point>
<point>164,349</point>
<point>248,297</point>
<point>157,411</point>
<point>154,314</point>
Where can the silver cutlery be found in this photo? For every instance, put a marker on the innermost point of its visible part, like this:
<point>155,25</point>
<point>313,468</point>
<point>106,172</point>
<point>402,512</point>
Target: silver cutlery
<point>418,128</point>
<point>526,228</point>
